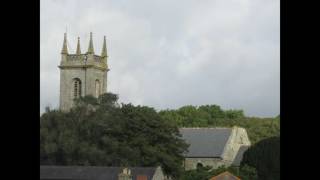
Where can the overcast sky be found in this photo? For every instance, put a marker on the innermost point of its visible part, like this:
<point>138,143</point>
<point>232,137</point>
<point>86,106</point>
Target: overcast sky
<point>167,54</point>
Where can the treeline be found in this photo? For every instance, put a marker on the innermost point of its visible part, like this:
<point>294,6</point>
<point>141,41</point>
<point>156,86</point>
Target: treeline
<point>214,116</point>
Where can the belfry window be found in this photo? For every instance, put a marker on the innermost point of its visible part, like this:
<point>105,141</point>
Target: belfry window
<point>98,88</point>
<point>76,88</point>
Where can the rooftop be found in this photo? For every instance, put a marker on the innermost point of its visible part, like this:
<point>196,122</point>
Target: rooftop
<point>91,172</point>
<point>205,142</point>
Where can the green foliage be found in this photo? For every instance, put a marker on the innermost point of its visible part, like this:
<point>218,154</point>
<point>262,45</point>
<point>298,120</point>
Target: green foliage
<point>248,172</point>
<point>100,132</point>
<point>214,116</point>
<point>205,173</point>
<point>265,156</point>
<point>105,133</point>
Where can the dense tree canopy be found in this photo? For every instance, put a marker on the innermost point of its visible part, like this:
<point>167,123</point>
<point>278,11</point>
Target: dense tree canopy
<point>102,132</point>
<point>214,116</point>
<point>265,156</point>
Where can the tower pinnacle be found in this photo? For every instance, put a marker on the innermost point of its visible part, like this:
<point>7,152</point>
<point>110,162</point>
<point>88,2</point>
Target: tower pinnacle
<point>104,48</point>
<point>78,47</point>
<point>90,48</point>
<point>64,47</point>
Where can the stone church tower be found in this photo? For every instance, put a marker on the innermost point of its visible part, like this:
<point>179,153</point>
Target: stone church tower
<point>82,74</point>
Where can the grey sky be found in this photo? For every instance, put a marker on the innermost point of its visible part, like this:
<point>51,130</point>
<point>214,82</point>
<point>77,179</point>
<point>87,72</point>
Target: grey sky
<point>167,54</point>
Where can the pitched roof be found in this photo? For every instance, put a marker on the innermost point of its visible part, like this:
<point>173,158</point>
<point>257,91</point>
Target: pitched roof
<point>225,176</point>
<point>237,160</point>
<point>91,172</point>
<point>205,142</point>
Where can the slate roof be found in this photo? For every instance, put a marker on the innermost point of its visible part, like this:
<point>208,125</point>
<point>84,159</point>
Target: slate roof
<point>91,172</point>
<point>205,142</point>
<point>237,160</point>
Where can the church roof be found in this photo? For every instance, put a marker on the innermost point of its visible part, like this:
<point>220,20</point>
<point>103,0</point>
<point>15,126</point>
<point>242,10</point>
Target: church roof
<point>237,160</point>
<point>205,142</point>
<point>91,172</point>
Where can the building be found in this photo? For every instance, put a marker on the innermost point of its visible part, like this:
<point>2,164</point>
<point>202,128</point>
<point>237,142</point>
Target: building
<point>100,173</point>
<point>214,146</point>
<point>82,74</point>
<point>237,160</point>
<point>225,176</point>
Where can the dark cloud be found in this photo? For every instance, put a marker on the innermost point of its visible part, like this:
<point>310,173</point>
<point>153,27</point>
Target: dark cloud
<point>167,54</point>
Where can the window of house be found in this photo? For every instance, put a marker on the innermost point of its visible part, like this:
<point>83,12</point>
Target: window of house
<point>199,165</point>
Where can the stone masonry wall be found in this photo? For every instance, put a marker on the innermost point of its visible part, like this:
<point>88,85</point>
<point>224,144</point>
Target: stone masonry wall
<point>158,175</point>
<point>74,66</point>
<point>66,86</point>
<point>237,138</point>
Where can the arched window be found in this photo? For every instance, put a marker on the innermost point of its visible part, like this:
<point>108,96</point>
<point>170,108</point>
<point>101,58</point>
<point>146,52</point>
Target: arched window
<point>98,88</point>
<point>76,88</point>
<point>199,165</point>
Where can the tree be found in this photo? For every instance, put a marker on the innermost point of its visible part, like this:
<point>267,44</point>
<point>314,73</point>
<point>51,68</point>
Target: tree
<point>265,157</point>
<point>101,132</point>
<point>248,172</point>
<point>213,110</point>
<point>234,114</point>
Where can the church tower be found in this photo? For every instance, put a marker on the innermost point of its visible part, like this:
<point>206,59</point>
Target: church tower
<point>82,74</point>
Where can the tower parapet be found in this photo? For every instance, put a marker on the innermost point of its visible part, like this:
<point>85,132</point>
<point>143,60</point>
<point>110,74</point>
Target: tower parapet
<point>88,59</point>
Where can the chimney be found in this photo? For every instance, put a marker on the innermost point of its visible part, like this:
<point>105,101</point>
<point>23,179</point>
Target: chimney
<point>125,174</point>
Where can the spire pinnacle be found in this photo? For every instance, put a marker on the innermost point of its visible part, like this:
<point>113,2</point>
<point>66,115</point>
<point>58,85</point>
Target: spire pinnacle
<point>64,47</point>
<point>104,48</point>
<point>78,47</point>
<point>90,48</point>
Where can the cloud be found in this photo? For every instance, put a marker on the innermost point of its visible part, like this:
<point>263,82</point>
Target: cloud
<point>167,54</point>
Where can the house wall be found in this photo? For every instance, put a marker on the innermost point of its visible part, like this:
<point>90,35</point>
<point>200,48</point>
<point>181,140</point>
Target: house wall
<point>158,174</point>
<point>191,163</point>
<point>237,138</point>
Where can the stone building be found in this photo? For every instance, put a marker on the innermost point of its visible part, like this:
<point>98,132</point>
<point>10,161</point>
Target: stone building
<point>214,146</point>
<point>100,173</point>
<point>82,73</point>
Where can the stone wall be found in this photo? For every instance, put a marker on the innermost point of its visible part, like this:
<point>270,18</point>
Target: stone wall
<point>237,138</point>
<point>66,86</point>
<point>74,66</point>
<point>158,175</point>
